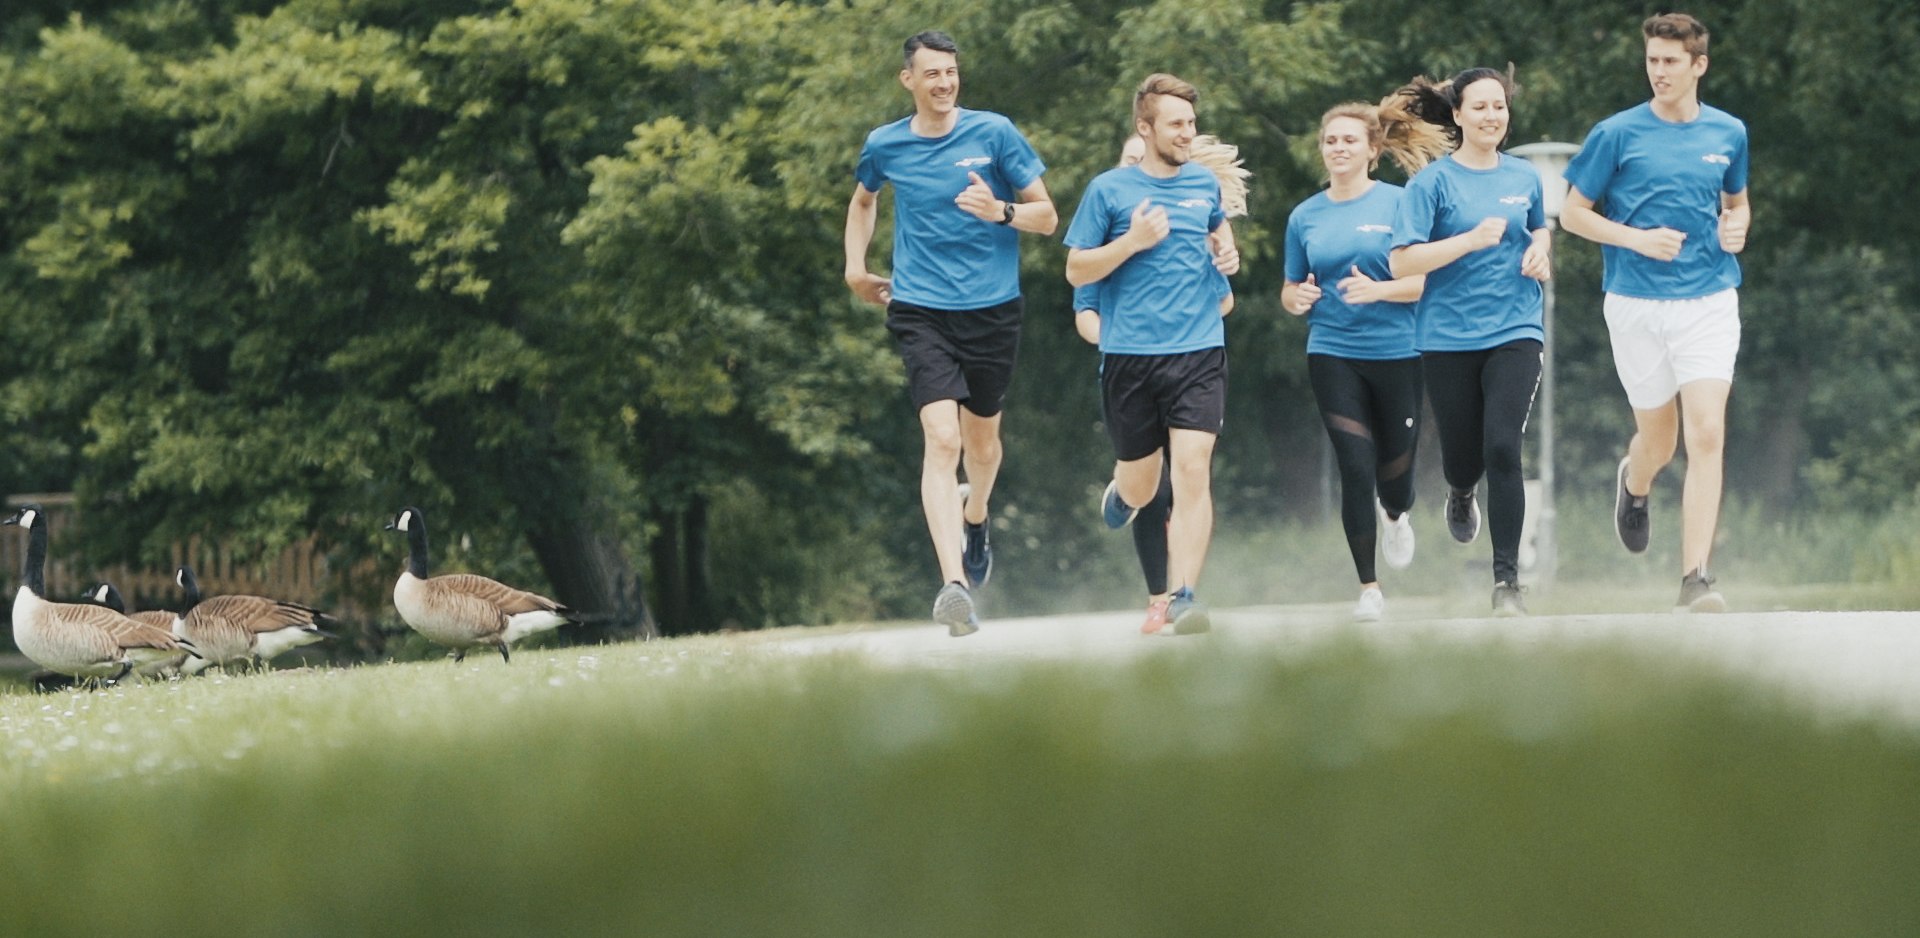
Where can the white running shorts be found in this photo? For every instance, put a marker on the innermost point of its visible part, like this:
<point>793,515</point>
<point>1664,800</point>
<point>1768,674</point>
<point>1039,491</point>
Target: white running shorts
<point>1660,345</point>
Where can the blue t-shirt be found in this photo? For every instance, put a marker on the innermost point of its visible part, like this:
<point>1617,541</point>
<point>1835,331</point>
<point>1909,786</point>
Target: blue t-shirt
<point>1164,300</point>
<point>1087,296</point>
<point>1646,172</point>
<point>943,257</point>
<point>1328,239</point>
<point>1480,301</point>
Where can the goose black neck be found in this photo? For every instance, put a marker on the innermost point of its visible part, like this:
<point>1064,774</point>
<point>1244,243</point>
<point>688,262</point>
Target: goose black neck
<point>190,585</point>
<point>34,575</point>
<point>417,546</point>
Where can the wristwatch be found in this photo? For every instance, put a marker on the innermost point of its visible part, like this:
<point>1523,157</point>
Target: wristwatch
<point>1007,219</point>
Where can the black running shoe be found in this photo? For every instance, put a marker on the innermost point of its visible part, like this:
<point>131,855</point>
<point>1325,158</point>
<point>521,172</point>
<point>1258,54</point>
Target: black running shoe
<point>977,558</point>
<point>1506,600</point>
<point>976,554</point>
<point>1630,519</point>
<point>1698,595</point>
<point>1463,515</point>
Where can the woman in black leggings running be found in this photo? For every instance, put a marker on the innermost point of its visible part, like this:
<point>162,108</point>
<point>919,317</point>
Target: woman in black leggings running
<point>1361,357</point>
<point>1472,222</point>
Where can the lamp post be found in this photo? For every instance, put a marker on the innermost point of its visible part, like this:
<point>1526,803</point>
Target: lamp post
<point>1550,160</point>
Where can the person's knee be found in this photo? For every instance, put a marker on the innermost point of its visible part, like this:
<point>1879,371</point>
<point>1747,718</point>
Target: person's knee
<point>1192,476</point>
<point>1503,456</point>
<point>1356,477</point>
<point>943,443</point>
<point>1138,489</point>
<point>983,447</point>
<point>1705,438</point>
<point>1659,449</point>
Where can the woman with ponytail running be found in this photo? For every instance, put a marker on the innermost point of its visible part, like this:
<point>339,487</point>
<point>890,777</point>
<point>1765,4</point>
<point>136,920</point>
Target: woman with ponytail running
<point>1361,358</point>
<point>1473,223</point>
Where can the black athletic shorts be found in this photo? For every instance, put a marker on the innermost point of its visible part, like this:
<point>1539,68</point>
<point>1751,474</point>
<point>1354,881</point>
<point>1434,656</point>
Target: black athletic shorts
<point>958,355</point>
<point>1144,396</point>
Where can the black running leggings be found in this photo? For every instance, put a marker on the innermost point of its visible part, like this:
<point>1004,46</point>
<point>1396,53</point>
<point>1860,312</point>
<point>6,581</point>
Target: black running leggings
<point>1480,405</point>
<point>1150,534</point>
<point>1372,410</point>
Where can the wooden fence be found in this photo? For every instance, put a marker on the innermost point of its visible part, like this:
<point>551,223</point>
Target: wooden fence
<point>300,573</point>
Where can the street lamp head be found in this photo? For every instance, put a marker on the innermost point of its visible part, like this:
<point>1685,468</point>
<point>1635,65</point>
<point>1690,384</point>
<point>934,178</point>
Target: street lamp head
<point>1549,159</point>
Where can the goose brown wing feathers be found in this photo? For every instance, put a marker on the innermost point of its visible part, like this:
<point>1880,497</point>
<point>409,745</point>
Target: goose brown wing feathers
<point>158,618</point>
<point>126,632</point>
<point>505,598</point>
<point>256,614</point>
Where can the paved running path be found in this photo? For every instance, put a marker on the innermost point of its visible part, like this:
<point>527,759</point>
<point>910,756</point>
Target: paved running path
<point>1850,662</point>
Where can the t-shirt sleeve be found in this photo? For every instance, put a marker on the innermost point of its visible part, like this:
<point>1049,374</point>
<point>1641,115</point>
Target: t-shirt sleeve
<point>1019,164</point>
<point>1736,181</point>
<point>1413,220</point>
<point>1537,209</point>
<point>1087,296</point>
<point>1092,221</point>
<point>1218,216</point>
<point>1592,169</point>
<point>1295,256</point>
<point>868,171</point>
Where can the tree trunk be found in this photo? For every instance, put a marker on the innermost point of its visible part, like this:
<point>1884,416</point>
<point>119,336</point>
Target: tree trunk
<point>699,572</point>
<point>1775,474</point>
<point>669,574</point>
<point>590,574</point>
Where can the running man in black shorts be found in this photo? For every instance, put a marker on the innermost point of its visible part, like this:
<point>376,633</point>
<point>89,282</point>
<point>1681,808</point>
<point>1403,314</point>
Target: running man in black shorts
<point>1150,523</point>
<point>1157,234</point>
<point>965,184</point>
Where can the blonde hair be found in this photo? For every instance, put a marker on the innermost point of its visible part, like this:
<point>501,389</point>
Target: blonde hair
<point>1145,108</point>
<point>1225,162</point>
<point>1397,132</point>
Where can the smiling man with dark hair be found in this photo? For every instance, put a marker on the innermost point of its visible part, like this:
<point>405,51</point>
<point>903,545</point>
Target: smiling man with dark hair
<point>965,183</point>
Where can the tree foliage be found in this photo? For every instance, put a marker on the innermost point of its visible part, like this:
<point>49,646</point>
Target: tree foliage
<point>564,272</point>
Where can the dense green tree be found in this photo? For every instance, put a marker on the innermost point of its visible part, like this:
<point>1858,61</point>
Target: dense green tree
<point>321,268</point>
<point>566,272</point>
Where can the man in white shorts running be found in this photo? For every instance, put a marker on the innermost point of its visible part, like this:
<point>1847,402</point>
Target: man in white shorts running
<point>1670,179</point>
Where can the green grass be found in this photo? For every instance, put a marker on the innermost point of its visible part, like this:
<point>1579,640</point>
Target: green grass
<point>1764,563</point>
<point>719,787</point>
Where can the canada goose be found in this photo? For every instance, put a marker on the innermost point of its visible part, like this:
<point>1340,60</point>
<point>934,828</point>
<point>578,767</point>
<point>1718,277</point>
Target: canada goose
<point>462,610</point>
<point>242,627</point>
<point>106,595</point>
<point>77,639</point>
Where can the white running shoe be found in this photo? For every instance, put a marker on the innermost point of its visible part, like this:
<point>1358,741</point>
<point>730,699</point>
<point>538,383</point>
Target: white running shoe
<point>1372,605</point>
<point>1396,538</point>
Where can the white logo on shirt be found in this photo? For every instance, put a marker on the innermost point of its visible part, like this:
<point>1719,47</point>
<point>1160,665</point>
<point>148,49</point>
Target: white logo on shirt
<point>1192,203</point>
<point>1515,200</point>
<point>973,161</point>
<point>1718,158</point>
<point>1376,229</point>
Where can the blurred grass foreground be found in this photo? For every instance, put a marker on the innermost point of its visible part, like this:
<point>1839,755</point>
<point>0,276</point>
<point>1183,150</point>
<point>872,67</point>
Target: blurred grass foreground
<point>720,786</point>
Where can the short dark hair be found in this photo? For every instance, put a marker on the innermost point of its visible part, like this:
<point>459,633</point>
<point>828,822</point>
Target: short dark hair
<point>931,39</point>
<point>1679,27</point>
